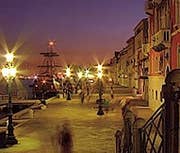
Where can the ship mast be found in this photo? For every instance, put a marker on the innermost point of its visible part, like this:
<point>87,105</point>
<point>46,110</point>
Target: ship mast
<point>48,67</point>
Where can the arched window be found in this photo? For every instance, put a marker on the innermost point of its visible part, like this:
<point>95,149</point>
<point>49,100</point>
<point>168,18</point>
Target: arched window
<point>177,9</point>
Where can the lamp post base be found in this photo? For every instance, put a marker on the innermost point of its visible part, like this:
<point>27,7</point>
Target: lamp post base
<point>11,140</point>
<point>100,111</point>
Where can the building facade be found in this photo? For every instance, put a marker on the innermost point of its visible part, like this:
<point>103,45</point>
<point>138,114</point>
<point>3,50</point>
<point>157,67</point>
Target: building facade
<point>123,69</point>
<point>159,54</point>
<point>152,51</point>
<point>130,62</point>
<point>141,57</point>
<point>175,34</point>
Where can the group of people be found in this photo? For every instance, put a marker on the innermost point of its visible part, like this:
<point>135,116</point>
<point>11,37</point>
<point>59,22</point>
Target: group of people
<point>70,88</point>
<point>84,90</point>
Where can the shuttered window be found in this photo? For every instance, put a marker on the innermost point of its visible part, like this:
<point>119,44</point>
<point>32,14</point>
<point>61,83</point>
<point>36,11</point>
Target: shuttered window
<point>178,56</point>
<point>177,7</point>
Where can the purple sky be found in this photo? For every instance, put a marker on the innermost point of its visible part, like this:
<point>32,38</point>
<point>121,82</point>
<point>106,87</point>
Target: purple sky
<point>83,29</point>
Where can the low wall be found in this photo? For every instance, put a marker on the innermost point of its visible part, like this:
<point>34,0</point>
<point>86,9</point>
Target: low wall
<point>24,114</point>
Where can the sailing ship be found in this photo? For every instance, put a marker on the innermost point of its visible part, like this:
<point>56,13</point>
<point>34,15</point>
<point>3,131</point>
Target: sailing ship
<point>46,84</point>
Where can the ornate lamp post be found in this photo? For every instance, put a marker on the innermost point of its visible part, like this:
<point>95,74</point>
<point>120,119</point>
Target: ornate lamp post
<point>99,75</point>
<point>87,81</point>
<point>9,73</point>
<point>68,74</point>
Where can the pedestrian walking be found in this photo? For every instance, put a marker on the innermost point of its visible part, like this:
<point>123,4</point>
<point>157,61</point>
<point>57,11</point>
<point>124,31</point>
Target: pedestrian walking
<point>69,91</point>
<point>112,93</point>
<point>64,89</point>
<point>87,88</point>
<point>64,139</point>
<point>82,94</point>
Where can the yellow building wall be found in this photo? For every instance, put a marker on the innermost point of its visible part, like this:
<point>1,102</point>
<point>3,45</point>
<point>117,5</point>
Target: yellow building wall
<point>155,87</point>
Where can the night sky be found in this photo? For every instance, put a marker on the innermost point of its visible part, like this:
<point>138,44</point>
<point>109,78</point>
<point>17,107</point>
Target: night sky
<point>83,29</point>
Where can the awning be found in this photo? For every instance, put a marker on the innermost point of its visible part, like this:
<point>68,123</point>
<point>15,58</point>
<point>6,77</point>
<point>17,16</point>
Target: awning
<point>160,47</point>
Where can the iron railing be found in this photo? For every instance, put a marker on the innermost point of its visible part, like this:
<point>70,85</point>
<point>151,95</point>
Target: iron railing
<point>152,133</point>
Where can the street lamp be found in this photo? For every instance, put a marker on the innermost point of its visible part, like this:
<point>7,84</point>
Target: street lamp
<point>99,75</point>
<point>87,81</point>
<point>80,75</point>
<point>68,87</point>
<point>68,72</point>
<point>9,73</point>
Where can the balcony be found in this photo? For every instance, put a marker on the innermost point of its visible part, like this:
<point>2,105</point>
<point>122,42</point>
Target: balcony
<point>161,39</point>
<point>157,2</point>
<point>149,7</point>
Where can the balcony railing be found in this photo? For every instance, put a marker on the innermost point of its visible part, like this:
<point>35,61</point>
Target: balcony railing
<point>150,5</point>
<point>162,37</point>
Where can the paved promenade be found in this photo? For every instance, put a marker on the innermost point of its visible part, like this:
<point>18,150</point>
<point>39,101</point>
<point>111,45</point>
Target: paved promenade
<point>91,133</point>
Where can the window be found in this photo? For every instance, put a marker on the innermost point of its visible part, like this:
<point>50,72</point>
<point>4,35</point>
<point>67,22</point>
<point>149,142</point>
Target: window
<point>178,57</point>
<point>152,94</point>
<point>161,19</point>
<point>177,9</point>
<point>157,20</point>
<point>167,15</point>
<point>156,95</point>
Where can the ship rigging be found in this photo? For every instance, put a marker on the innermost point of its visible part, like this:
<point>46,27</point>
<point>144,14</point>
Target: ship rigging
<point>46,84</point>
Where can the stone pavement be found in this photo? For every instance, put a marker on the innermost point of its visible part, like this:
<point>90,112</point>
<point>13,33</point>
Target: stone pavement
<point>91,133</point>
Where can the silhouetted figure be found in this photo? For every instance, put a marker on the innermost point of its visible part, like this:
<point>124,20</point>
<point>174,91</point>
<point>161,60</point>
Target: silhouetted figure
<point>82,94</point>
<point>87,88</point>
<point>65,141</point>
<point>112,93</point>
<point>69,91</point>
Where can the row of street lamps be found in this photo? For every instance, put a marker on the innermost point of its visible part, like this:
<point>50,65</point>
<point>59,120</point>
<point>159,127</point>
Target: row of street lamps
<point>86,74</point>
<point>100,84</point>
